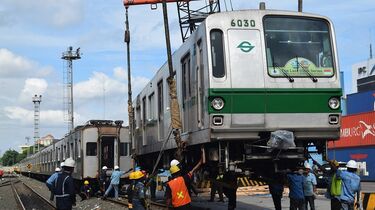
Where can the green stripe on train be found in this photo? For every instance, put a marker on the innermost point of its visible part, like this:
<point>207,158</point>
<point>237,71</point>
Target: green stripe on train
<point>274,100</point>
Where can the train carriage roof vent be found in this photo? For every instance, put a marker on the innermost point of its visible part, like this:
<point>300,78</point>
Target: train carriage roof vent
<point>262,6</point>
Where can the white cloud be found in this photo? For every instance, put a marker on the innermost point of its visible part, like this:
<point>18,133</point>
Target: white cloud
<point>120,73</point>
<point>33,86</point>
<point>12,65</point>
<point>44,12</point>
<point>48,118</point>
<point>97,84</point>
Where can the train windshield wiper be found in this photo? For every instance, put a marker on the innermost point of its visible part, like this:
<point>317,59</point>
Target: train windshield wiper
<point>291,79</point>
<point>314,79</point>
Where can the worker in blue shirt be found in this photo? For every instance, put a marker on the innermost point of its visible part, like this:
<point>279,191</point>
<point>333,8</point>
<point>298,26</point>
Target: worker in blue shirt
<point>350,186</point>
<point>309,187</point>
<point>115,181</point>
<point>64,187</point>
<point>296,196</point>
<point>51,182</point>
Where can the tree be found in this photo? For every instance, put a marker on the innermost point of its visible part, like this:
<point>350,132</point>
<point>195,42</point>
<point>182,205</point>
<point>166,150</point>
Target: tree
<point>10,157</point>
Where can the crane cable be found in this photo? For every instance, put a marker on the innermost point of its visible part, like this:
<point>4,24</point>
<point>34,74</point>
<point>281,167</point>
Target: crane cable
<point>130,104</point>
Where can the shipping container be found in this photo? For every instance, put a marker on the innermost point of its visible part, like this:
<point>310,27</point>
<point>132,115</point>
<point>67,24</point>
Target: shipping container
<point>364,157</point>
<point>356,130</point>
<point>357,103</point>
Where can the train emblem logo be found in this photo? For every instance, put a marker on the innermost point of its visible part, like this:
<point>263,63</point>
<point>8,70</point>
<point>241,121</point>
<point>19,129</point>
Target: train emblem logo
<point>245,46</point>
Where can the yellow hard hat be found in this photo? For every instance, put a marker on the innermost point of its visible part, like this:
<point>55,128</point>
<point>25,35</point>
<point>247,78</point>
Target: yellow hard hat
<point>138,174</point>
<point>174,169</point>
<point>86,182</point>
<point>131,175</point>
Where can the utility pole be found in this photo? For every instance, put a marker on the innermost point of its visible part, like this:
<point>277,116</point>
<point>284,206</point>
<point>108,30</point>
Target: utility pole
<point>36,100</point>
<point>69,56</point>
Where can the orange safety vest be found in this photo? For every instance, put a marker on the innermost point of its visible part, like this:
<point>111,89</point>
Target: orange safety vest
<point>179,191</point>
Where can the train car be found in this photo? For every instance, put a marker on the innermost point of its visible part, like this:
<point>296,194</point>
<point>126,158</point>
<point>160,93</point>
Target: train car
<point>240,76</point>
<point>96,144</point>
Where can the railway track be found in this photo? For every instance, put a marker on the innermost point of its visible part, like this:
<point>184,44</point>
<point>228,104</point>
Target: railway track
<point>153,205</point>
<point>29,199</point>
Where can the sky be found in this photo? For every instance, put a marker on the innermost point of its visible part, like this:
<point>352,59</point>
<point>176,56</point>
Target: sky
<point>34,34</point>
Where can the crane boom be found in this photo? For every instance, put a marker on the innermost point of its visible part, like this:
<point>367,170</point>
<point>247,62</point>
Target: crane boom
<point>139,2</point>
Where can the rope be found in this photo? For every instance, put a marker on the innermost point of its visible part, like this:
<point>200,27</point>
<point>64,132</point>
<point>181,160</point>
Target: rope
<point>161,153</point>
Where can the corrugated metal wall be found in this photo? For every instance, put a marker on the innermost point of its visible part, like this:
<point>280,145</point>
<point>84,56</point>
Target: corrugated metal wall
<point>363,155</point>
<point>360,102</point>
<point>356,130</point>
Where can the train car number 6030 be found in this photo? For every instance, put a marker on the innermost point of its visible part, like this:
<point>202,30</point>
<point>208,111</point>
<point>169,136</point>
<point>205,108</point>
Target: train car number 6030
<point>242,23</point>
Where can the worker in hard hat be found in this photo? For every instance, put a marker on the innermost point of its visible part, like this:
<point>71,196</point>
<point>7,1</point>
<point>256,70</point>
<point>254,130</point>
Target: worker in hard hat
<point>64,191</point>
<point>115,181</point>
<point>177,193</point>
<point>51,182</point>
<point>350,186</point>
<point>309,187</point>
<point>103,180</point>
<point>86,191</point>
<point>137,191</point>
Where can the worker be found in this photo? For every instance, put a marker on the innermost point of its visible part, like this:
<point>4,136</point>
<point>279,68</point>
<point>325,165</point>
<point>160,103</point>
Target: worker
<point>86,190</point>
<point>276,188</point>
<point>191,187</point>
<point>115,181</point>
<point>216,176</point>
<point>309,187</point>
<point>137,191</point>
<point>64,187</point>
<point>103,179</point>
<point>230,188</point>
<point>296,196</point>
<point>333,191</point>
<point>1,174</point>
<point>350,187</point>
<point>177,192</point>
<point>51,182</point>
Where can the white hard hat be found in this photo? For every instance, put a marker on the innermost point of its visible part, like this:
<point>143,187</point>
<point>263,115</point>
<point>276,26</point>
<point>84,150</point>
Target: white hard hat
<point>69,162</point>
<point>175,162</point>
<point>116,167</point>
<point>62,164</point>
<point>351,164</point>
<point>104,168</point>
<point>307,165</point>
<point>57,169</point>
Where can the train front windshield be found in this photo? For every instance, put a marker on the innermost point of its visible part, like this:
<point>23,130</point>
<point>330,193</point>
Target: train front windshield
<point>298,47</point>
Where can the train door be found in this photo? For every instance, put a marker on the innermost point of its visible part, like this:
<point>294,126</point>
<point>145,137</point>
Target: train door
<point>186,92</point>
<point>247,77</point>
<point>107,151</point>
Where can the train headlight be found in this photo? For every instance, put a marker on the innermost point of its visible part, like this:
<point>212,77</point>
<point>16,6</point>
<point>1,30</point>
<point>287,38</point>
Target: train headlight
<point>334,103</point>
<point>217,103</point>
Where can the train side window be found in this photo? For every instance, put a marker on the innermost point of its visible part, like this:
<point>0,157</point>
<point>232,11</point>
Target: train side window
<point>151,105</point>
<point>143,111</point>
<point>217,53</point>
<point>91,149</point>
<point>160,100</point>
<point>124,149</point>
<point>185,66</point>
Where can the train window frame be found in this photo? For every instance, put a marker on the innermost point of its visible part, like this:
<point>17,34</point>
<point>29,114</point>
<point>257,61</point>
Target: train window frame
<point>91,148</point>
<point>331,47</point>
<point>124,149</point>
<point>151,107</point>
<point>218,57</point>
<point>185,63</point>
<point>160,92</point>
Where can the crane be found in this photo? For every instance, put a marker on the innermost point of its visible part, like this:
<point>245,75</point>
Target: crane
<point>189,19</point>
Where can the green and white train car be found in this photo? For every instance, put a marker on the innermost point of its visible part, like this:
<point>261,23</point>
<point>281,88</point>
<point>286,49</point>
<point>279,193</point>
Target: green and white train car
<point>240,76</point>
